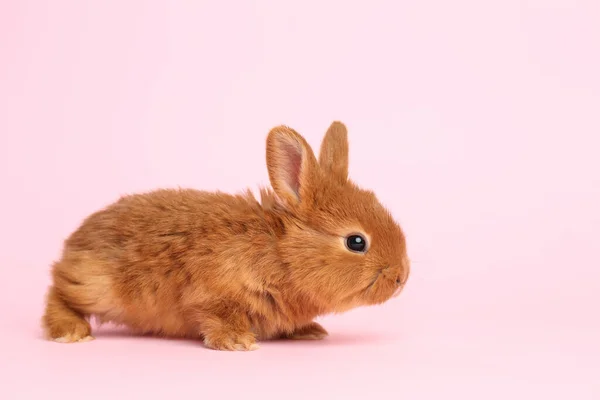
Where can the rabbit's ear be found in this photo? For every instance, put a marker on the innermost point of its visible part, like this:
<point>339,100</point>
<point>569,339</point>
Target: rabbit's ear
<point>333,157</point>
<point>292,165</point>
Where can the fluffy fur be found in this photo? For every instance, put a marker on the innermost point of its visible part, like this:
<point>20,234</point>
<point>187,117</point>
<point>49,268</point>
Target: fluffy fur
<point>228,269</point>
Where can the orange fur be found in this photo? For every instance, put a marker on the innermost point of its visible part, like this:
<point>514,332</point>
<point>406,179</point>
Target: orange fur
<point>229,269</point>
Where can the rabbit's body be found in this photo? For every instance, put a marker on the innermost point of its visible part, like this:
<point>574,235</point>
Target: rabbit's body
<point>224,268</point>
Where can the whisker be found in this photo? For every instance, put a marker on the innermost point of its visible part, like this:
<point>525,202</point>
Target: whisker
<point>374,281</point>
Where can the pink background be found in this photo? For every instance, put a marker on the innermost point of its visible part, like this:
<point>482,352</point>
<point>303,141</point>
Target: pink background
<point>476,122</point>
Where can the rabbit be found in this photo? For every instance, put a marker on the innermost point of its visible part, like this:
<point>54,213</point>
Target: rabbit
<point>228,269</point>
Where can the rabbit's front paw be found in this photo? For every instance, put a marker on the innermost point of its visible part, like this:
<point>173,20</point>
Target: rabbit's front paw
<point>312,331</point>
<point>230,341</point>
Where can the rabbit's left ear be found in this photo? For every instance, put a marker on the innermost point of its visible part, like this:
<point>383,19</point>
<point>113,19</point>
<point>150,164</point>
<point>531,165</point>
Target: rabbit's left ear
<point>292,166</point>
<point>333,156</point>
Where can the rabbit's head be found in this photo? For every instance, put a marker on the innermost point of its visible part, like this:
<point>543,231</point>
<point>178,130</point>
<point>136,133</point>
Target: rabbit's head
<point>342,246</point>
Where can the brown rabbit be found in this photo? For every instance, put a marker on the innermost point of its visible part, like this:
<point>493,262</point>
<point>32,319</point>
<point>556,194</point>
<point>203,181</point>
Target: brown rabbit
<point>230,270</point>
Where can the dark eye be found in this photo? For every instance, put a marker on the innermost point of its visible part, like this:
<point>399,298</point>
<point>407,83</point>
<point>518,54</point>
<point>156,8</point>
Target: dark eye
<point>356,243</point>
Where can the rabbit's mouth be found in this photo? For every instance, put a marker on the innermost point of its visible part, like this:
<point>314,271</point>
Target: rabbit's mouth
<point>379,289</point>
<point>398,291</point>
<point>382,287</point>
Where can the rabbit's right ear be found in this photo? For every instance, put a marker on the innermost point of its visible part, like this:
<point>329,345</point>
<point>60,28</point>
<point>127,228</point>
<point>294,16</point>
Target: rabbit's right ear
<point>292,166</point>
<point>333,157</point>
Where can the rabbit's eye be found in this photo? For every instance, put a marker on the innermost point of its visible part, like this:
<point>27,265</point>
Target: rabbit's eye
<point>356,243</point>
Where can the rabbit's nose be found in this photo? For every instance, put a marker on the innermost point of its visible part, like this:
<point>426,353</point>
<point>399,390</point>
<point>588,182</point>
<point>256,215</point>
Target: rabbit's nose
<point>400,278</point>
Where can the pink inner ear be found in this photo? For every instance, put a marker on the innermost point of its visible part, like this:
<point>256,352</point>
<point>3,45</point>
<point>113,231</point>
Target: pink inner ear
<point>293,155</point>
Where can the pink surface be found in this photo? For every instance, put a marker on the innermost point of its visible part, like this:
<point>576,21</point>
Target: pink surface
<point>477,122</point>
